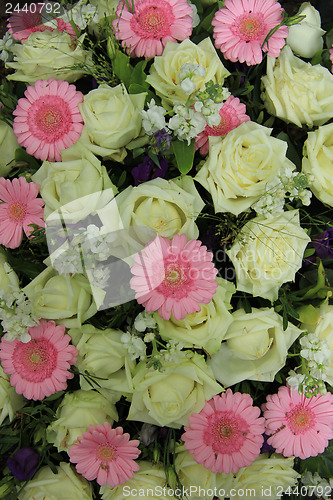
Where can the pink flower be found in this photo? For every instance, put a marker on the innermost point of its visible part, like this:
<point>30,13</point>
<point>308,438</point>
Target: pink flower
<point>39,368</point>
<point>174,277</point>
<point>22,24</point>
<point>48,119</point>
<point>331,58</point>
<point>105,454</point>
<point>19,207</point>
<point>145,30</point>
<point>241,27</point>
<point>232,114</point>
<point>298,426</point>
<point>227,434</point>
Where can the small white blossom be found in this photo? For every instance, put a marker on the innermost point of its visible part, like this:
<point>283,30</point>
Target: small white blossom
<point>16,316</point>
<point>143,321</point>
<point>134,345</point>
<point>269,206</point>
<point>153,119</point>
<point>325,485</point>
<point>173,352</point>
<point>294,380</point>
<point>188,87</point>
<point>81,13</point>
<point>149,337</point>
<point>6,45</point>
<point>188,70</point>
<point>186,123</point>
<point>97,240</point>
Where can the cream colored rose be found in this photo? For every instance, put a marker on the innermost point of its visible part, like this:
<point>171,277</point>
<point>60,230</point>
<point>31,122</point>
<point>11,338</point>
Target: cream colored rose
<point>266,478</point>
<point>169,397</point>
<point>102,354</point>
<point>191,473</point>
<point>82,184</point>
<point>317,162</point>
<point>323,328</point>
<point>112,120</point>
<point>268,253</point>
<point>66,485</point>
<point>76,412</point>
<point>164,73</point>
<point>167,207</point>
<point>306,37</point>
<point>10,402</point>
<point>256,347</point>
<point>8,146</point>
<point>240,165</point>
<point>65,299</point>
<point>148,480</point>
<point>296,91</point>
<point>49,54</point>
<point>8,276</point>
<point>204,329</point>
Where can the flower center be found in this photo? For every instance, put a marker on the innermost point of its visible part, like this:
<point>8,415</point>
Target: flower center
<point>175,275</point>
<point>16,212</point>
<point>225,432</point>
<point>300,419</point>
<point>153,21</point>
<point>249,27</point>
<point>36,360</point>
<point>106,453</point>
<point>49,118</point>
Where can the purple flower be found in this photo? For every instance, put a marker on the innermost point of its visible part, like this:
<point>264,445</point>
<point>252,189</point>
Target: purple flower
<point>265,446</point>
<point>148,170</point>
<point>323,244</point>
<point>23,464</point>
<point>160,141</point>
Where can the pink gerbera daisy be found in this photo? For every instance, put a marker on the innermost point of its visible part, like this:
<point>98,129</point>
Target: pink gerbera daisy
<point>227,434</point>
<point>174,277</point>
<point>232,114</point>
<point>105,454</point>
<point>22,24</point>
<point>298,426</point>
<point>331,57</point>
<point>241,26</point>
<point>39,368</point>
<point>48,119</point>
<point>145,30</point>
<point>19,207</point>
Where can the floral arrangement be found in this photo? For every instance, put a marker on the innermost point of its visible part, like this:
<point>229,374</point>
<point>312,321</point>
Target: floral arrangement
<point>166,251</point>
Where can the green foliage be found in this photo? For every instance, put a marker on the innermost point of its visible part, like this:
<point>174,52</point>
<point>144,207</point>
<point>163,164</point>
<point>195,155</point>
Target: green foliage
<point>184,155</point>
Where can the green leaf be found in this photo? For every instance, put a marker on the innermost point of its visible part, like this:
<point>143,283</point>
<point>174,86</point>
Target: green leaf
<point>308,252</point>
<point>291,154</point>
<point>184,154</point>
<point>139,76</point>
<point>285,319</point>
<point>135,88</point>
<point>22,155</point>
<point>122,68</point>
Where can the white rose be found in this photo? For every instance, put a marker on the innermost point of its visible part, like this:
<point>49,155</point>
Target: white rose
<point>112,120</point>
<point>239,167</point>
<point>267,477</point>
<point>76,412</point>
<point>8,146</point>
<point>10,401</point>
<point>169,397</point>
<point>102,354</point>
<point>191,473</point>
<point>204,329</point>
<point>296,91</point>
<point>49,54</point>
<point>306,37</point>
<point>323,328</point>
<point>164,207</point>
<point>317,162</point>
<point>77,186</point>
<point>150,478</point>
<point>268,253</point>
<point>256,347</point>
<point>66,484</point>
<point>164,73</point>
